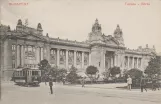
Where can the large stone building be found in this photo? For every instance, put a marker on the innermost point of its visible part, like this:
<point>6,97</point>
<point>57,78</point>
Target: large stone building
<point>26,47</point>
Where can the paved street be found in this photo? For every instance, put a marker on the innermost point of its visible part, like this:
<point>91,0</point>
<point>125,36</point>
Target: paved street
<point>91,94</point>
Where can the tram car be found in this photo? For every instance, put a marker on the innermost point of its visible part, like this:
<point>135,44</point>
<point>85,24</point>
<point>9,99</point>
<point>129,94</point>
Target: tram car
<point>27,76</point>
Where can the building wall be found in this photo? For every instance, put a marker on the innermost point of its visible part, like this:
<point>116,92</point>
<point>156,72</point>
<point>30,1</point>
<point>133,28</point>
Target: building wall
<point>30,47</point>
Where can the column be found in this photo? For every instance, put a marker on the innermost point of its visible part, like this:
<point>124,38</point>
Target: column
<point>115,59</point>
<point>142,61</point>
<point>104,61</point>
<point>89,58</point>
<point>111,61</point>
<point>66,59</point>
<point>123,61</point>
<point>118,60</point>
<point>37,55</point>
<point>41,53</point>
<point>129,62</point>
<point>58,58</point>
<point>75,57</point>
<point>18,55</point>
<point>22,55</point>
<point>82,60</point>
<point>137,62</point>
<point>132,62</point>
<point>48,53</point>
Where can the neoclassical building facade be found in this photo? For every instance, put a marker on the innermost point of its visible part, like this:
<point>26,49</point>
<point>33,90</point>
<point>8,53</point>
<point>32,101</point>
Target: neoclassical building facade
<point>26,47</point>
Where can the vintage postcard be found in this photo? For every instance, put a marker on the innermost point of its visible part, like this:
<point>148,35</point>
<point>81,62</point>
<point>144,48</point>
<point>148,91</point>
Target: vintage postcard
<point>80,51</point>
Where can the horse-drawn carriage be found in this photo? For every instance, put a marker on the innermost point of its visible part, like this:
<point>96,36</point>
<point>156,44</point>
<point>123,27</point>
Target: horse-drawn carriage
<point>27,76</point>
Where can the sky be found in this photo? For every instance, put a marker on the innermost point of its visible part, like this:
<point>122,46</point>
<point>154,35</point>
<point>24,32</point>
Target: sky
<point>73,19</point>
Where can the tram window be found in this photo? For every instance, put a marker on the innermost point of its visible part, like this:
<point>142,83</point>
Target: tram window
<point>27,73</point>
<point>33,72</point>
<point>36,72</point>
<point>20,73</point>
<point>17,73</point>
<point>23,73</point>
<point>30,73</point>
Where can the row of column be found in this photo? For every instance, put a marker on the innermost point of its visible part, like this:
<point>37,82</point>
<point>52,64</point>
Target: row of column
<point>111,61</point>
<point>75,58</point>
<point>114,60</point>
<point>23,60</point>
<point>133,64</point>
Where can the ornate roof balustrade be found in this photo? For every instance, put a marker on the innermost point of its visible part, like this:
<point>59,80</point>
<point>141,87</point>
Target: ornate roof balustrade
<point>69,42</point>
<point>138,51</point>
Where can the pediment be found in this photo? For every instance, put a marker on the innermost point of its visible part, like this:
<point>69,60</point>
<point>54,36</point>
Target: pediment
<point>31,37</point>
<point>111,41</point>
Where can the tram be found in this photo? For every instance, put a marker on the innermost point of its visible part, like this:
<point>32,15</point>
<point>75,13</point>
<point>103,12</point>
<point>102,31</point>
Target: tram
<point>27,76</point>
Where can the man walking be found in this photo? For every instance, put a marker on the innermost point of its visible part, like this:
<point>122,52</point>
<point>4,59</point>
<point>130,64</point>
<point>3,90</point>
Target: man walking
<point>143,84</point>
<point>129,82</point>
<point>51,85</point>
<point>83,81</point>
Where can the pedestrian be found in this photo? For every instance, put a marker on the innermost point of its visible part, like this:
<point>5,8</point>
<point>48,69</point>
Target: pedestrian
<point>153,85</point>
<point>143,84</point>
<point>83,82</point>
<point>129,82</point>
<point>157,84</point>
<point>63,81</point>
<point>45,78</point>
<point>51,85</point>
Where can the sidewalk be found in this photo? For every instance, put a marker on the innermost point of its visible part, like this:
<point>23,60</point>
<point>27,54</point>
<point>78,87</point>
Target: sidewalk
<point>104,86</point>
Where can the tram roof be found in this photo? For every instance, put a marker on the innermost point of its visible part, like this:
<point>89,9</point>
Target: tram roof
<point>20,69</point>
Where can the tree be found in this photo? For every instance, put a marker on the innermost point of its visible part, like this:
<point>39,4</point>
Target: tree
<point>91,70</point>
<point>114,71</point>
<point>135,73</point>
<point>57,74</point>
<point>45,67</point>
<point>106,74</point>
<point>61,74</point>
<point>43,64</point>
<point>72,77</point>
<point>53,71</point>
<point>154,67</point>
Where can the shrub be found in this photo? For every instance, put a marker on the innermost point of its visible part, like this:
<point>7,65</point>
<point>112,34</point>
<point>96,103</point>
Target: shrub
<point>114,71</point>
<point>72,77</point>
<point>92,70</point>
<point>135,73</point>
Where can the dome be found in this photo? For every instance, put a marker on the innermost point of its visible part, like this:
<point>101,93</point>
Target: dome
<point>39,26</point>
<point>19,22</point>
<point>96,27</point>
<point>118,31</point>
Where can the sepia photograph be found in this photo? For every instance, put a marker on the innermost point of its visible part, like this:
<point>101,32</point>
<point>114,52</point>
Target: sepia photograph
<point>80,51</point>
